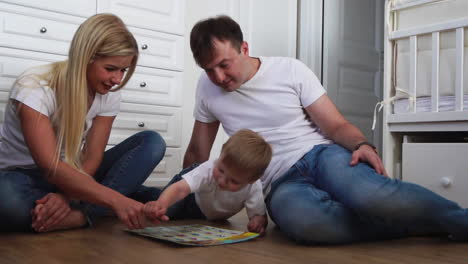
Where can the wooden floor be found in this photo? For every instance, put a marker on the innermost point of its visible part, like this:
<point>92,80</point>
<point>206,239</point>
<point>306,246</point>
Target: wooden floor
<point>108,243</point>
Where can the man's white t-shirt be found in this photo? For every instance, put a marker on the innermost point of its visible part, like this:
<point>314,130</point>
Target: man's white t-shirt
<point>272,104</point>
<point>35,93</point>
<point>216,203</point>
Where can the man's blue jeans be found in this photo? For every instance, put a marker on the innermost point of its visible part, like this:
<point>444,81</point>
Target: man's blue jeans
<point>124,168</point>
<point>322,199</point>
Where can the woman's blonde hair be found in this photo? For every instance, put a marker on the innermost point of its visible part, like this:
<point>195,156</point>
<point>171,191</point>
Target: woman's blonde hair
<point>248,151</point>
<point>101,35</point>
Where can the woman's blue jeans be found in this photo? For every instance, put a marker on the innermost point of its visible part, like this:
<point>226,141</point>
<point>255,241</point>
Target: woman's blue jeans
<point>124,168</point>
<point>323,200</point>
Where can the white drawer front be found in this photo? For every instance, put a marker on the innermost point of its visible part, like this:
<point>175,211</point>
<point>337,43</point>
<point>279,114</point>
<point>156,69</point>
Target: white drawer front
<point>167,168</point>
<point>153,86</point>
<point>159,50</point>
<point>23,31</point>
<point>160,15</point>
<point>83,8</point>
<point>13,63</point>
<point>440,167</point>
<point>133,118</point>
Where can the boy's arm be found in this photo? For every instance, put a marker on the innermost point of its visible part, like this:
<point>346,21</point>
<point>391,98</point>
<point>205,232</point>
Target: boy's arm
<point>256,209</point>
<point>174,193</point>
<point>156,210</point>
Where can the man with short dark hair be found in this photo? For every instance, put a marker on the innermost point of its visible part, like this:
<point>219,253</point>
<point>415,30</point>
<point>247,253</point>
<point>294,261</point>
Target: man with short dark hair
<point>325,183</point>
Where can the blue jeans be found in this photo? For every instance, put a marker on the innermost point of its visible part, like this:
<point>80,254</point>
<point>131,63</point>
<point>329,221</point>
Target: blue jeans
<point>186,208</point>
<point>124,168</point>
<point>322,199</point>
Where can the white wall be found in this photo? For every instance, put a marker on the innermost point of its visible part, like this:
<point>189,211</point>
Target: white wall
<point>268,25</point>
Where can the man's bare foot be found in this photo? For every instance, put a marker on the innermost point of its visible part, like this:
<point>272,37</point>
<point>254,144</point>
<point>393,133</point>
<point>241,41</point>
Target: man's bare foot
<point>74,219</point>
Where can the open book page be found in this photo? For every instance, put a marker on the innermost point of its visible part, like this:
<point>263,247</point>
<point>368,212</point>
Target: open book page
<point>195,235</point>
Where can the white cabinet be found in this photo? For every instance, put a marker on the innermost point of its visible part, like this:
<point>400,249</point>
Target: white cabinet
<point>152,99</point>
<point>34,33</point>
<point>159,15</point>
<point>440,167</point>
<point>83,8</point>
<point>36,30</point>
<point>159,50</point>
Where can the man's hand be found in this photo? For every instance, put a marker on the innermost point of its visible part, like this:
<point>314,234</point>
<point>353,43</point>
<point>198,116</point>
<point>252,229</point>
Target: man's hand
<point>367,154</point>
<point>258,224</point>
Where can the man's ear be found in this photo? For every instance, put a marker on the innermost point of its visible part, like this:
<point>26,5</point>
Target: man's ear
<point>244,48</point>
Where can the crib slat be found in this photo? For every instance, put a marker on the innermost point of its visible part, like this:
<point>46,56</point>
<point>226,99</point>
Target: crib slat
<point>413,70</point>
<point>435,72</point>
<point>459,70</point>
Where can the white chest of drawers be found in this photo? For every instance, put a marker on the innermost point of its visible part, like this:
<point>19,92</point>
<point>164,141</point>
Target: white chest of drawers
<point>39,32</point>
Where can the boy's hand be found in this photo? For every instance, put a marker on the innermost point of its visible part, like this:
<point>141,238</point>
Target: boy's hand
<point>155,211</point>
<point>258,224</point>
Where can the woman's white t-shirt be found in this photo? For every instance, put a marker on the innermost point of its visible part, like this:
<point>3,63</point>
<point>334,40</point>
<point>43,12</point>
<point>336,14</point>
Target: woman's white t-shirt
<point>35,93</point>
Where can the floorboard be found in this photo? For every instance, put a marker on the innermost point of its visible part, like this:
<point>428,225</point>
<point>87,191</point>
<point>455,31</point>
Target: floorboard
<point>108,243</point>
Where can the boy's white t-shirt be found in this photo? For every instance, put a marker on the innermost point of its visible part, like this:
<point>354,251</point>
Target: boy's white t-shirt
<point>272,104</point>
<point>35,93</point>
<point>216,203</point>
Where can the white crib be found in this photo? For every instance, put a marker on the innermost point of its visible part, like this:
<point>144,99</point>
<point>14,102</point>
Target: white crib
<point>425,108</point>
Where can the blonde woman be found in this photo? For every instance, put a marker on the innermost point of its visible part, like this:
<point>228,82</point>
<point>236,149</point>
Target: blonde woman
<point>54,173</point>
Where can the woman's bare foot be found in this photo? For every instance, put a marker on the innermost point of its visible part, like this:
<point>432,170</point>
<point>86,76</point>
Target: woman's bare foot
<point>74,219</point>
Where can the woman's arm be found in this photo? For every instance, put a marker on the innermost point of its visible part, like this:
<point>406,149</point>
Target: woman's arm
<point>41,141</point>
<point>96,141</point>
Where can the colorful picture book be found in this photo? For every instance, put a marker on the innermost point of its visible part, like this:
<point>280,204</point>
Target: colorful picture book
<point>195,235</point>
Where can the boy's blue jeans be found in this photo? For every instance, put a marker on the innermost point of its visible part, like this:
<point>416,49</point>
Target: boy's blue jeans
<point>322,199</point>
<point>124,168</point>
<point>186,208</point>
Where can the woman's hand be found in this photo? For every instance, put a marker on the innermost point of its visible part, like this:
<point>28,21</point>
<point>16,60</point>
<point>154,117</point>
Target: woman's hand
<point>49,211</point>
<point>130,212</point>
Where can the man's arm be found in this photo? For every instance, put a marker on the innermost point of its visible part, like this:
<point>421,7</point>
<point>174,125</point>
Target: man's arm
<point>325,114</point>
<point>201,142</point>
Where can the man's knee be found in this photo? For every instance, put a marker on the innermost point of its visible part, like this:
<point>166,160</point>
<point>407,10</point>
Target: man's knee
<point>307,220</point>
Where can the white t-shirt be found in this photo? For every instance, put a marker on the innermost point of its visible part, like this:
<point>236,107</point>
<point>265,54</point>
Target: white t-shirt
<point>36,94</point>
<point>272,104</point>
<point>216,203</point>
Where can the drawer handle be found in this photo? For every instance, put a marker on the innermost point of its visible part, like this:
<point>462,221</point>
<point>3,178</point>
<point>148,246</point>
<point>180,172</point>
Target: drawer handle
<point>446,182</point>
<point>143,84</point>
<point>141,124</point>
<point>144,46</point>
<point>43,30</point>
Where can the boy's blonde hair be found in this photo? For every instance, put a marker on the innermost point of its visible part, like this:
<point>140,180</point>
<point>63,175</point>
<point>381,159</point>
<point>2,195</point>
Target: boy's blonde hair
<point>247,151</point>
